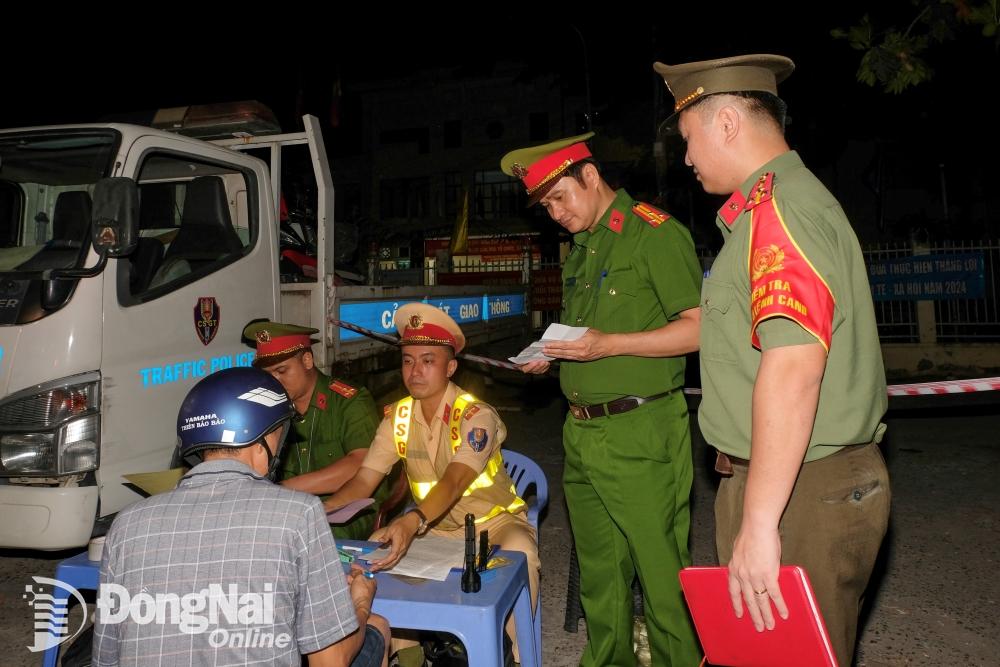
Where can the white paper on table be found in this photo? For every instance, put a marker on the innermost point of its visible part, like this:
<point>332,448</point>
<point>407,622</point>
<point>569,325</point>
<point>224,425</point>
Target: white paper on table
<point>346,512</point>
<point>555,332</point>
<point>429,557</point>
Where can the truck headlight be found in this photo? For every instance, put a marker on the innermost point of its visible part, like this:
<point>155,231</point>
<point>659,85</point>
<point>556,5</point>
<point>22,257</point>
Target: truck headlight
<point>52,429</point>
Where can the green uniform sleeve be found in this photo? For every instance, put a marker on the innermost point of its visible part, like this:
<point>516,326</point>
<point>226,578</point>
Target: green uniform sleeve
<point>360,419</point>
<point>672,267</point>
<point>782,332</point>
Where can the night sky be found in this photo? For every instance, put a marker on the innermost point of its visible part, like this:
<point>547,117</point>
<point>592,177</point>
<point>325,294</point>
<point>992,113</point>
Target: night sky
<point>293,69</point>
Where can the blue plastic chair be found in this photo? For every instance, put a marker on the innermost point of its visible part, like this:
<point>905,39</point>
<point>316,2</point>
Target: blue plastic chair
<point>526,473</point>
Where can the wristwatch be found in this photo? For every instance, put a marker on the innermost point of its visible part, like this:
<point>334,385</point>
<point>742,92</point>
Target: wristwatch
<point>422,528</point>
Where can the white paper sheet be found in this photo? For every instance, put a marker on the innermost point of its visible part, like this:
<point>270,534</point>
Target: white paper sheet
<point>429,557</point>
<point>555,332</point>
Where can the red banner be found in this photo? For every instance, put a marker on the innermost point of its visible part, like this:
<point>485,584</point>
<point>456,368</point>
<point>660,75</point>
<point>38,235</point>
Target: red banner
<point>510,247</point>
<point>480,278</point>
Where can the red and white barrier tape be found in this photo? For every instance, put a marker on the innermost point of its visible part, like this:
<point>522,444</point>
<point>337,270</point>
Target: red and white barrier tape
<point>928,388</point>
<point>945,387</point>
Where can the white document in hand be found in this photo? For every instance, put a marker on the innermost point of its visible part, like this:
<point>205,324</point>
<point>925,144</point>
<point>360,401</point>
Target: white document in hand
<point>555,332</point>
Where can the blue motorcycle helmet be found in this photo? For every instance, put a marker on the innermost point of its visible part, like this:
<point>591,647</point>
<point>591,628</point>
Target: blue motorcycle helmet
<point>233,408</point>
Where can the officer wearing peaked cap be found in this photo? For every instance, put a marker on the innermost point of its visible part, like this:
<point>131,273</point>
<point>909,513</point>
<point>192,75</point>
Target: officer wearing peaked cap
<point>335,424</point>
<point>450,443</point>
<point>791,368</point>
<point>632,278</point>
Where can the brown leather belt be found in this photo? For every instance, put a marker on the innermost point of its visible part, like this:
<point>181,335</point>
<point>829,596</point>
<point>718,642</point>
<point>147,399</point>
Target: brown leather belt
<point>724,462</point>
<point>615,407</point>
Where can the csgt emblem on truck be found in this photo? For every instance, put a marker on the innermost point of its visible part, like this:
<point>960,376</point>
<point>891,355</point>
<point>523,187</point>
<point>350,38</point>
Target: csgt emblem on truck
<point>206,318</point>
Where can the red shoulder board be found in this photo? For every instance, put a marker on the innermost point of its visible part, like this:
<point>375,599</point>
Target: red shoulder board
<point>762,191</point>
<point>470,412</point>
<point>654,216</point>
<point>387,410</point>
<point>783,282</point>
<point>345,390</point>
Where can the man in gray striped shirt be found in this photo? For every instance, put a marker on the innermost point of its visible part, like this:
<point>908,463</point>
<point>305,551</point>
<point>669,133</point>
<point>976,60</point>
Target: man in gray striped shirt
<point>229,568</point>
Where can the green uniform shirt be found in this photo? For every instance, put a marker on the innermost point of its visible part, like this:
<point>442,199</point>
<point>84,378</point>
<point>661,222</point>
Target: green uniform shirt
<point>790,271</point>
<point>340,419</point>
<point>631,273</point>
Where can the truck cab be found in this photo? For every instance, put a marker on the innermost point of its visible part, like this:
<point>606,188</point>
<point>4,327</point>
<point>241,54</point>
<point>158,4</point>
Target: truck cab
<point>92,369</point>
<point>99,348</point>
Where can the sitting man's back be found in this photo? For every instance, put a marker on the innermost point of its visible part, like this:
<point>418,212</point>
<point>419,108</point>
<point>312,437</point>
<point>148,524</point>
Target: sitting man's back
<point>229,568</point>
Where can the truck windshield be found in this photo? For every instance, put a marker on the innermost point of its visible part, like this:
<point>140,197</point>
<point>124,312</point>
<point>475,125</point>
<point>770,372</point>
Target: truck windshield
<point>46,182</point>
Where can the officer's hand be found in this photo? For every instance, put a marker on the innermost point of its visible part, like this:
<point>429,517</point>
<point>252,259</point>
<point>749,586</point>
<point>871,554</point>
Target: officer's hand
<point>753,576</point>
<point>592,345</point>
<point>535,367</point>
<point>399,535</point>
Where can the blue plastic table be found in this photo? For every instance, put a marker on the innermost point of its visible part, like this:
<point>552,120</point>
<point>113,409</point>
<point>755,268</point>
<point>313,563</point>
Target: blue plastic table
<point>477,619</point>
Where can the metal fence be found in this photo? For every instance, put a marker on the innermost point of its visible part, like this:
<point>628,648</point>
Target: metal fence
<point>897,320</point>
<point>955,320</point>
<point>972,320</point>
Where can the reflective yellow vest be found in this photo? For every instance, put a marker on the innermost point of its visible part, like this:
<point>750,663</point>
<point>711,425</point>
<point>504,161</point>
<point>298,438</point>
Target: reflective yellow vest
<point>401,433</point>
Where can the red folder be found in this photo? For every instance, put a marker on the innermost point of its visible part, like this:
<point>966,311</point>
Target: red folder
<point>800,641</point>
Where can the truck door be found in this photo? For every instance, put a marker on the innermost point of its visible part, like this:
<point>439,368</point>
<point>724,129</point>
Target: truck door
<point>175,309</point>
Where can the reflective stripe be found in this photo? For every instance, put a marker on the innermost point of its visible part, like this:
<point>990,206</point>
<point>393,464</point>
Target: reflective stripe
<point>401,425</point>
<point>401,432</point>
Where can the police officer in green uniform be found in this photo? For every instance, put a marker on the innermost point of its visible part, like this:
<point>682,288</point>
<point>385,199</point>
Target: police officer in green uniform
<point>791,368</point>
<point>633,280</point>
<point>336,421</point>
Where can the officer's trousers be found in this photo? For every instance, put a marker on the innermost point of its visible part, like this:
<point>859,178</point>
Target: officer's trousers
<point>833,525</point>
<point>627,482</point>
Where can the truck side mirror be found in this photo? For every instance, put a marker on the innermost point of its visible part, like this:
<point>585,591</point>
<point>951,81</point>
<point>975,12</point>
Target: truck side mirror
<point>115,229</point>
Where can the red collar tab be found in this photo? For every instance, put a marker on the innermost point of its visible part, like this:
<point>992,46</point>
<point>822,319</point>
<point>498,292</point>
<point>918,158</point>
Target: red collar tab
<point>615,221</point>
<point>732,208</point>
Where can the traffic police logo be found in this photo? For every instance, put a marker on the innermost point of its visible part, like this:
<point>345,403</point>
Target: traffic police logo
<point>206,318</point>
<point>767,260</point>
<point>478,438</point>
<point>416,321</point>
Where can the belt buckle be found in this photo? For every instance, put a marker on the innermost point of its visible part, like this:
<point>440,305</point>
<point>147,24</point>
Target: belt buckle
<point>578,411</point>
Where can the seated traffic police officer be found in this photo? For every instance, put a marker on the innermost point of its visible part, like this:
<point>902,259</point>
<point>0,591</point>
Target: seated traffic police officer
<point>450,443</point>
<point>335,422</point>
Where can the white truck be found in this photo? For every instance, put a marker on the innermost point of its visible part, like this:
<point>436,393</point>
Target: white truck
<point>131,258</point>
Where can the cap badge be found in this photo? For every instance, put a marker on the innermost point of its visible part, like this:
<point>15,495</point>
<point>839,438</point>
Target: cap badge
<point>263,336</point>
<point>416,321</point>
<point>520,171</point>
<point>684,101</point>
